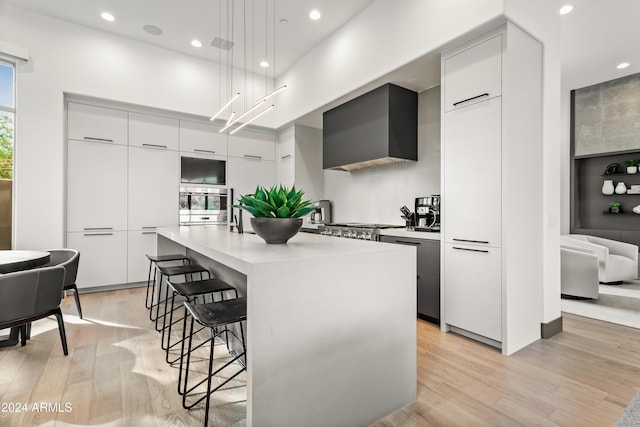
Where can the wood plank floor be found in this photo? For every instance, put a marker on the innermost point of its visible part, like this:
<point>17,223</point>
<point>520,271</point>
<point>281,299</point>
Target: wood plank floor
<point>115,375</point>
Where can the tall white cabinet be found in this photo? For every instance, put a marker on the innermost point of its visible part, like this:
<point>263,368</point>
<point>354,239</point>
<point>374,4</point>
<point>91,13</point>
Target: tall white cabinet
<point>492,189</point>
<point>299,160</point>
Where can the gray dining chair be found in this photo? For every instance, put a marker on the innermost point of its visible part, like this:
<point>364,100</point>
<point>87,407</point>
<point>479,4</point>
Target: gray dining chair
<point>30,295</point>
<point>69,259</point>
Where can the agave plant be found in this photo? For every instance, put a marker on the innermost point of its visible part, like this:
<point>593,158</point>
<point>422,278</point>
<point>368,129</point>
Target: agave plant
<point>277,202</point>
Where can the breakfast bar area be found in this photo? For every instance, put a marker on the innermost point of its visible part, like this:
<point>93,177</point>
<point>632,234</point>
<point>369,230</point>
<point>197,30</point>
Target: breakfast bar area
<point>331,331</point>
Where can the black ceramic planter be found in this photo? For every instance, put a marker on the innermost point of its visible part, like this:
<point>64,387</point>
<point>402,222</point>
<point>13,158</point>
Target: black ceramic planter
<point>276,230</point>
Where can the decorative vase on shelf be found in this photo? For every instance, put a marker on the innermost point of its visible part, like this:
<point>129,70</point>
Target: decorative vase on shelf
<point>632,169</point>
<point>621,188</point>
<point>607,187</point>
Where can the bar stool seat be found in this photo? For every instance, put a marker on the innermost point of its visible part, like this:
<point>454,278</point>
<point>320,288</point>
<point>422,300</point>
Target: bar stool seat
<point>182,269</point>
<point>191,291</point>
<point>155,259</point>
<point>169,272</point>
<point>201,287</point>
<point>214,316</point>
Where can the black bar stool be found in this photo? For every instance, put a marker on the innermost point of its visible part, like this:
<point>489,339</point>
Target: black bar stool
<point>187,270</point>
<point>191,291</point>
<point>155,259</point>
<point>215,316</point>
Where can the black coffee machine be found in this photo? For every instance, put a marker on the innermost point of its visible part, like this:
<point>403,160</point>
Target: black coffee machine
<point>427,216</point>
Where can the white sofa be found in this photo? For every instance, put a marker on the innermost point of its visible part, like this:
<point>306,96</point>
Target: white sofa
<point>617,261</point>
<point>579,272</point>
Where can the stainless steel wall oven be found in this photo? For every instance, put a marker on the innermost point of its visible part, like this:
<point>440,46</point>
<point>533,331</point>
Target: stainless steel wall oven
<point>203,205</point>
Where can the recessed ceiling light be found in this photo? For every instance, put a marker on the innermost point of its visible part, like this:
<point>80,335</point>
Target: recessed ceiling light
<point>152,29</point>
<point>315,15</point>
<point>196,43</point>
<point>107,16</point>
<point>567,8</point>
<point>622,65</point>
<point>264,64</point>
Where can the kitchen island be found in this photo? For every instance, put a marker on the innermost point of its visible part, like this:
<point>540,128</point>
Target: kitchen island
<point>331,329</point>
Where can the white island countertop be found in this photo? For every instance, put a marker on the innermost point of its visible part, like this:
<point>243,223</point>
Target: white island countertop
<point>242,251</point>
<point>331,323</point>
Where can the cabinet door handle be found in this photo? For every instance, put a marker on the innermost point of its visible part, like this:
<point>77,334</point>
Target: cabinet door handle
<point>98,234</point>
<point>251,156</point>
<point>470,99</point>
<point>97,228</point>
<point>148,232</point>
<point>471,241</point>
<point>147,228</point>
<point>204,217</point>
<point>154,145</point>
<point>91,138</point>
<point>199,150</point>
<point>471,250</point>
<point>404,242</point>
<point>285,157</point>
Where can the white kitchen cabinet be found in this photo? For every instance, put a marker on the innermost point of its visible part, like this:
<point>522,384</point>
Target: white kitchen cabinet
<point>103,257</point>
<point>150,131</point>
<point>287,170</point>
<point>202,138</point>
<point>492,180</point>
<point>299,160</point>
<point>139,244</point>
<point>96,186</point>
<point>473,74</point>
<point>474,293</point>
<point>472,176</point>
<point>244,174</point>
<point>252,145</point>
<point>92,123</point>
<point>154,176</point>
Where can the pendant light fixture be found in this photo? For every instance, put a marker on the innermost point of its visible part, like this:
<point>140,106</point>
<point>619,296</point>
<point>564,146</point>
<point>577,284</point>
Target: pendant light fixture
<point>256,106</point>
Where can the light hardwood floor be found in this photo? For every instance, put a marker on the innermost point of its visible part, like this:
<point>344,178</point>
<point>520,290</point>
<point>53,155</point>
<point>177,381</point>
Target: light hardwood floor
<point>115,375</point>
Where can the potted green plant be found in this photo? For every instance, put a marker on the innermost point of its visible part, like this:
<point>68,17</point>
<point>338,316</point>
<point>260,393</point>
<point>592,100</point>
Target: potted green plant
<point>614,207</point>
<point>632,165</point>
<point>277,212</point>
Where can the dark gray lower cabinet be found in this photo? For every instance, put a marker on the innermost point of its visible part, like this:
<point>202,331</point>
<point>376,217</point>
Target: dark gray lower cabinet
<point>428,281</point>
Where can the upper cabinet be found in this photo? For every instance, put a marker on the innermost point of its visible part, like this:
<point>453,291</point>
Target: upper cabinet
<point>153,131</point>
<point>96,124</point>
<point>252,145</point>
<point>202,138</point>
<point>474,74</point>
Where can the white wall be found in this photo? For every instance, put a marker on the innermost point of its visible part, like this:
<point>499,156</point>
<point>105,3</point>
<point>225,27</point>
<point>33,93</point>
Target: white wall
<point>542,20</point>
<point>68,58</point>
<point>376,194</point>
<point>383,37</point>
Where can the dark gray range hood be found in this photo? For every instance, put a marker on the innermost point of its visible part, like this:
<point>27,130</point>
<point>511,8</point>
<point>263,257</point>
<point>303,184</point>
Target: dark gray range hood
<point>375,129</point>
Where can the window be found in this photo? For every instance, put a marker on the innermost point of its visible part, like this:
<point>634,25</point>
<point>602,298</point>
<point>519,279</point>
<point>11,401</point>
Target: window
<point>7,116</point>
<point>7,112</point>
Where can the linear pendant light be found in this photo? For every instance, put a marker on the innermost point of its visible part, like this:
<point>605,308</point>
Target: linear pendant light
<point>241,116</point>
<point>273,92</point>
<point>252,119</point>
<point>256,105</point>
<point>225,106</point>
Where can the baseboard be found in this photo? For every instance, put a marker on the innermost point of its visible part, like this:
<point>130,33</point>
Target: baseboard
<point>549,329</point>
<point>111,287</point>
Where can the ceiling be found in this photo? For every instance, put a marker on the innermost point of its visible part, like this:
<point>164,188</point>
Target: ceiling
<point>185,20</point>
<point>596,36</point>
